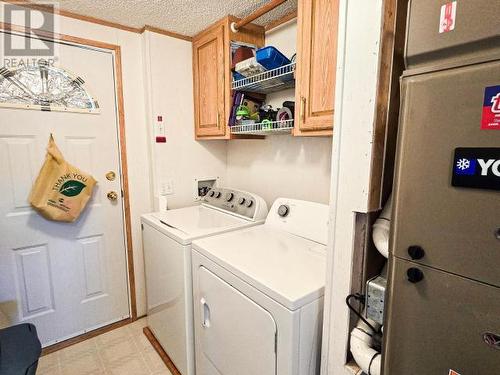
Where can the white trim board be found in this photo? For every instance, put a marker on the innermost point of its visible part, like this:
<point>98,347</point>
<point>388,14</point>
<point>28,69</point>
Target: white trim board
<point>355,104</point>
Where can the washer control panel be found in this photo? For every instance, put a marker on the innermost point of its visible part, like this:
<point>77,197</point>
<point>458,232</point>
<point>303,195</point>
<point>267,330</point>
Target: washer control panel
<point>302,218</point>
<point>237,202</point>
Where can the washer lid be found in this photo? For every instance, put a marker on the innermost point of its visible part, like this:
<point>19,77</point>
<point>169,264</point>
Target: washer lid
<point>186,224</point>
<point>287,268</point>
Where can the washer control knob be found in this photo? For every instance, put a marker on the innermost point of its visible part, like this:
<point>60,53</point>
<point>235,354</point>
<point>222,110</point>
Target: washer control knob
<point>217,194</point>
<point>229,197</point>
<point>212,193</point>
<point>283,210</point>
<point>249,203</point>
<point>241,200</point>
<point>414,275</point>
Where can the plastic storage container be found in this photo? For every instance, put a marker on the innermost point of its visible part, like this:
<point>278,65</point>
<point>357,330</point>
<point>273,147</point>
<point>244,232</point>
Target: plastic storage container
<point>237,76</point>
<point>249,67</point>
<point>270,58</point>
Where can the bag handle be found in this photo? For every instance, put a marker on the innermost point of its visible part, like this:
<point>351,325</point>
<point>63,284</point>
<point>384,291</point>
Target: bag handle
<point>54,151</point>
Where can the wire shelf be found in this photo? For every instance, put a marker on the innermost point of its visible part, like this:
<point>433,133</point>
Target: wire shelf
<point>271,127</point>
<point>266,82</point>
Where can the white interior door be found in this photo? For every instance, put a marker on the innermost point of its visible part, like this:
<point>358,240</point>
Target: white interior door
<point>234,335</point>
<point>64,278</point>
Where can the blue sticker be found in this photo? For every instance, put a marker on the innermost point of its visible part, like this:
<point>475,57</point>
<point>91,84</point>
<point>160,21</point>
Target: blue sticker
<point>465,166</point>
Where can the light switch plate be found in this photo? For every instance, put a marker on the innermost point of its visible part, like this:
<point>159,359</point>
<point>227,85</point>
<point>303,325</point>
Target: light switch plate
<point>167,187</point>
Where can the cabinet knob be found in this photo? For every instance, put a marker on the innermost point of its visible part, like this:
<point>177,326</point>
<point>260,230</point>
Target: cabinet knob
<point>416,252</point>
<point>414,275</point>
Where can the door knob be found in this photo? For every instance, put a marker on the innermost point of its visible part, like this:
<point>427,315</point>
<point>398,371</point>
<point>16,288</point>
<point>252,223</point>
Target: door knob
<point>414,275</point>
<point>112,196</point>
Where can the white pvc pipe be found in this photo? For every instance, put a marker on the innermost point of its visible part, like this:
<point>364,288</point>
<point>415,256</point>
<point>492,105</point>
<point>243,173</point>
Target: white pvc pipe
<point>381,229</point>
<point>367,358</point>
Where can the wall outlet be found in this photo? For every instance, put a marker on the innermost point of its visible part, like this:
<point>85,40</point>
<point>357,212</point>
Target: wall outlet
<point>167,187</point>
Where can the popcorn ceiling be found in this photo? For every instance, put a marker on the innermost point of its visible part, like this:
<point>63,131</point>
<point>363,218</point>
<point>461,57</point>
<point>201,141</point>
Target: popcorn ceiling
<point>186,17</point>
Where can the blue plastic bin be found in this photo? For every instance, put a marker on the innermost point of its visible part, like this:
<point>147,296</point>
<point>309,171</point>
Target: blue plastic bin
<point>237,76</point>
<point>270,58</point>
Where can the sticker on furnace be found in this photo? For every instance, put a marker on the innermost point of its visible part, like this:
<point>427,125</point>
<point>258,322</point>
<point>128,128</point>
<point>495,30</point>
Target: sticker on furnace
<point>491,109</point>
<point>448,17</point>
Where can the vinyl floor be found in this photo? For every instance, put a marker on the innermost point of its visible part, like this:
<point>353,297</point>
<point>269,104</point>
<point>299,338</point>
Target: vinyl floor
<point>123,351</point>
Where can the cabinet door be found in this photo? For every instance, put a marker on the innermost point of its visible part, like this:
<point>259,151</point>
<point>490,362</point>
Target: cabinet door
<point>316,62</point>
<point>208,76</point>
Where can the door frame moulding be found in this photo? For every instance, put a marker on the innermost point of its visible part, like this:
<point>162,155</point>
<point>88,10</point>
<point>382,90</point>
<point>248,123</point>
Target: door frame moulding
<point>116,50</point>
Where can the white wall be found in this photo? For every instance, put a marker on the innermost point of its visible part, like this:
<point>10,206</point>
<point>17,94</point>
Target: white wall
<point>357,75</point>
<point>281,165</point>
<point>135,128</point>
<point>169,81</point>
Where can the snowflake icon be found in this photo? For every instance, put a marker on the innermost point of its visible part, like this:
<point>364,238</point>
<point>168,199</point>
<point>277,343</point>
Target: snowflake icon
<point>463,164</point>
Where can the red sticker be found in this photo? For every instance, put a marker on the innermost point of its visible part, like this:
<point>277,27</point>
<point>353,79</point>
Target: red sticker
<point>448,17</point>
<point>491,109</point>
<point>453,373</point>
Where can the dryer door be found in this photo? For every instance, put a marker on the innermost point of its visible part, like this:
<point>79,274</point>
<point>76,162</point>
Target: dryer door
<point>234,334</point>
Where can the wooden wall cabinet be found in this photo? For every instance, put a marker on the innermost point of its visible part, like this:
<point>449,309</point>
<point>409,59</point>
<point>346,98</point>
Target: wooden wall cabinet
<point>208,65</point>
<point>212,76</point>
<point>316,64</point>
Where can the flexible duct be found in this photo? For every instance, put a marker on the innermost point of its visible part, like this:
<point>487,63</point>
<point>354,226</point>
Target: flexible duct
<point>381,229</point>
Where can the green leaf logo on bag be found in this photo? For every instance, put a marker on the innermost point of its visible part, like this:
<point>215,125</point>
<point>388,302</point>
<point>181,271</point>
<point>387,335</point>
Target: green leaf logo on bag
<point>71,188</point>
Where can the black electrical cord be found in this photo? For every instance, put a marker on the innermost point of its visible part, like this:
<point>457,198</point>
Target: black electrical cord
<point>361,299</point>
<point>377,333</point>
<point>371,362</point>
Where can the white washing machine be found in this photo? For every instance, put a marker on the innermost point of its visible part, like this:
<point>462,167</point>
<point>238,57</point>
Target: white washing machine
<point>258,294</point>
<point>167,238</point>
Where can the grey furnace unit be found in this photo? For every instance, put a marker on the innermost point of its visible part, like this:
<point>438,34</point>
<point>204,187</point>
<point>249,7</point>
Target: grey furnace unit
<point>443,302</point>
